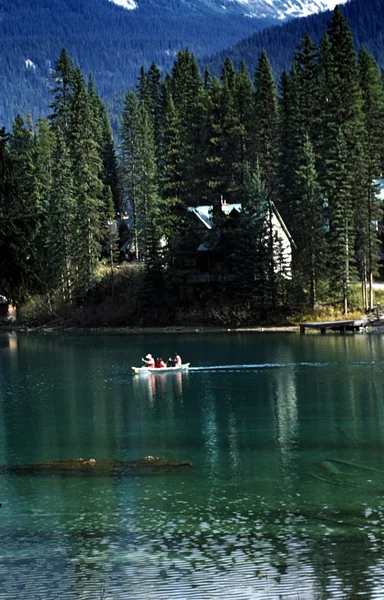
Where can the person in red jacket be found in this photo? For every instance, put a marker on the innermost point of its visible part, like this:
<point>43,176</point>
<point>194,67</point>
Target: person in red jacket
<point>149,361</point>
<point>160,364</point>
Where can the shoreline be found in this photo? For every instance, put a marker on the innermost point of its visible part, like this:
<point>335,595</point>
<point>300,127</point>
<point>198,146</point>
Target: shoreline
<point>9,328</point>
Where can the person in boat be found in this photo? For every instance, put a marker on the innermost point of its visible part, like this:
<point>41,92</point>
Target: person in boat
<point>149,361</point>
<point>175,361</point>
<point>160,364</point>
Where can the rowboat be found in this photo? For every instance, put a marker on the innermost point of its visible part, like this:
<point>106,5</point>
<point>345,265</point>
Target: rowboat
<point>147,370</point>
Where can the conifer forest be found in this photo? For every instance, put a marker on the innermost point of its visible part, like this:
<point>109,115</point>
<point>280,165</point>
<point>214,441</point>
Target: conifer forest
<point>309,147</point>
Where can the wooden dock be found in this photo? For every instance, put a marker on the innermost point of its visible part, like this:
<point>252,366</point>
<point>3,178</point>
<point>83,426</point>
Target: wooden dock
<point>342,326</point>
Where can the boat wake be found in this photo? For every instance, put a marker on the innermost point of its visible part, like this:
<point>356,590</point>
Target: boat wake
<point>261,366</point>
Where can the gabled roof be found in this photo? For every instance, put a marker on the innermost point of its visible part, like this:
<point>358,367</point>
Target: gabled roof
<point>204,213</point>
<point>283,225</point>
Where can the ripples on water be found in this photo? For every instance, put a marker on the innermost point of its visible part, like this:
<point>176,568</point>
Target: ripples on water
<point>284,499</point>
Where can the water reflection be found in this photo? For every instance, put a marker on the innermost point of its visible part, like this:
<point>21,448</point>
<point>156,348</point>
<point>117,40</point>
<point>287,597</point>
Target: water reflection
<point>284,499</point>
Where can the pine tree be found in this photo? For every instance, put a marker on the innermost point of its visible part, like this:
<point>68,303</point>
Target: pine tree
<point>185,84</point>
<point>310,238</point>
<point>62,223</point>
<point>342,127</point>
<point>104,139</point>
<point>373,111</point>
<point>252,254</point>
<point>19,223</point>
<point>342,219</point>
<point>307,71</point>
<point>62,91</point>
<point>290,144</point>
<point>87,170</point>
<point>243,94</point>
<point>266,123</point>
<point>129,159</point>
<point>147,196</point>
<point>170,175</point>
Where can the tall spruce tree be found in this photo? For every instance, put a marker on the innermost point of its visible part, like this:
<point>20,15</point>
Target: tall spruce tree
<point>252,255</point>
<point>129,161</point>
<point>185,84</point>
<point>170,173</point>
<point>307,70</point>
<point>290,144</point>
<point>62,90</point>
<point>87,170</point>
<point>19,223</point>
<point>342,219</point>
<point>310,226</point>
<point>62,224</point>
<point>373,111</point>
<point>147,195</point>
<point>343,137</point>
<point>243,94</point>
<point>266,124</point>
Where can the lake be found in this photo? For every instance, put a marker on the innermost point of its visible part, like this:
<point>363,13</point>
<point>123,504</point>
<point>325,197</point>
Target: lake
<point>284,499</point>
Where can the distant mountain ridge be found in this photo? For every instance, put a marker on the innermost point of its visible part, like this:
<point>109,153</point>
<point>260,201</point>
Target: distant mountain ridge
<point>105,39</point>
<point>365,17</point>
<point>112,39</point>
<point>261,9</point>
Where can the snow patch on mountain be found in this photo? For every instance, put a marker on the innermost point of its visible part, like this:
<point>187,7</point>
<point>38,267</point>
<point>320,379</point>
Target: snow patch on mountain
<point>281,9</point>
<point>29,64</point>
<point>128,4</point>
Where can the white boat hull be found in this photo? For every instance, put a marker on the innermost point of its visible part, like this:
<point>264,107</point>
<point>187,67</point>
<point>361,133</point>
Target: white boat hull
<point>147,370</point>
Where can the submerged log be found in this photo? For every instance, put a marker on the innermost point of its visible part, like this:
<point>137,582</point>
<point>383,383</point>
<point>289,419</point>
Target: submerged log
<point>149,465</point>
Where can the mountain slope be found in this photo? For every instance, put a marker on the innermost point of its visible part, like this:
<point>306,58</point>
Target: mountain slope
<point>113,38</point>
<point>102,38</point>
<point>365,18</point>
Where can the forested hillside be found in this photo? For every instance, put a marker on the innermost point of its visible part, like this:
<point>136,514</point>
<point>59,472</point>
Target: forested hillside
<point>314,151</point>
<point>104,39</point>
<point>365,17</point>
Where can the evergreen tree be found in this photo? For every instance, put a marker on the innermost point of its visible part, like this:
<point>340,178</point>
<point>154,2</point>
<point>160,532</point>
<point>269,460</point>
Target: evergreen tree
<point>310,230</point>
<point>87,170</point>
<point>243,94</point>
<point>129,160</point>
<point>343,135</point>
<point>307,71</point>
<point>342,219</point>
<point>290,143</point>
<point>252,255</point>
<point>156,104</point>
<point>62,223</point>
<point>62,90</point>
<point>373,110</point>
<point>19,224</point>
<point>147,196</point>
<point>266,123</point>
<point>185,84</point>
<point>171,176</point>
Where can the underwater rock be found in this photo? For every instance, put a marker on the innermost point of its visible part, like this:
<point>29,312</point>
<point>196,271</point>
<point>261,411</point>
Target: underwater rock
<point>149,465</point>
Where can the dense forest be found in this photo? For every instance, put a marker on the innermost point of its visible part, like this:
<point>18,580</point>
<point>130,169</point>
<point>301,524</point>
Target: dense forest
<point>313,148</point>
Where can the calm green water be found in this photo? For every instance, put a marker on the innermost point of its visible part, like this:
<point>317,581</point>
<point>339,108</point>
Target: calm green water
<point>284,499</point>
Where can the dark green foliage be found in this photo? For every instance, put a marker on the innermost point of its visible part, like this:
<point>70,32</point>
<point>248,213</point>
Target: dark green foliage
<point>186,142</point>
<point>18,218</point>
<point>266,125</point>
<point>309,224</point>
<point>252,255</point>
